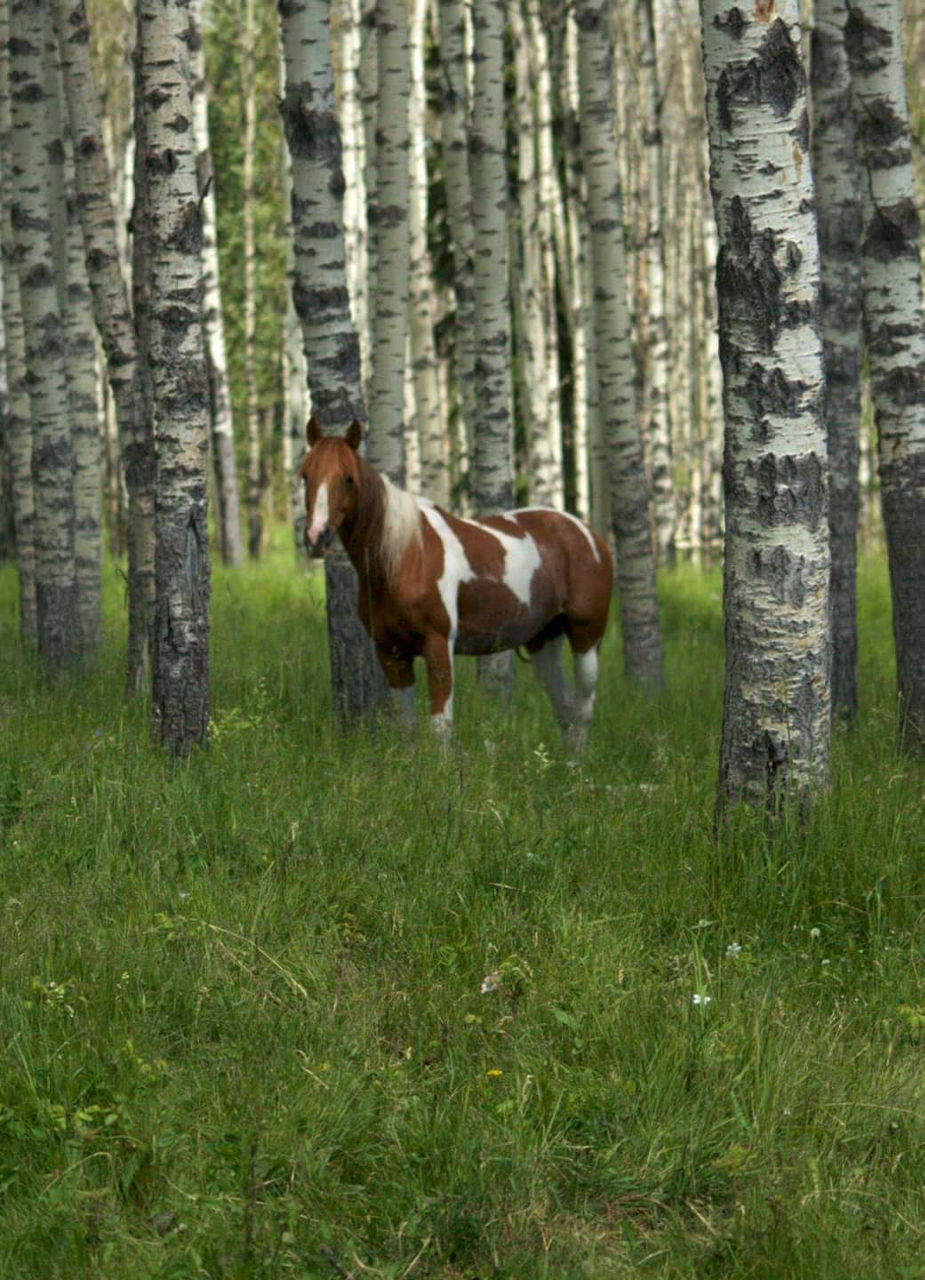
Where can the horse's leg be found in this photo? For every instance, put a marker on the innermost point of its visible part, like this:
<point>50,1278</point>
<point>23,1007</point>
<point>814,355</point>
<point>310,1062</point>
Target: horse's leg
<point>547,667</point>
<point>583,706</point>
<point>438,659</point>
<point>399,675</point>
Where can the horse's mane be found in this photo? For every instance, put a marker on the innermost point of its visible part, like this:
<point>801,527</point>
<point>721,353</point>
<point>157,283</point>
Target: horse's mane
<point>401,524</point>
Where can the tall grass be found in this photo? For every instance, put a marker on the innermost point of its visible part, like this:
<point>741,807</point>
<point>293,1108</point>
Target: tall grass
<point>318,1006</point>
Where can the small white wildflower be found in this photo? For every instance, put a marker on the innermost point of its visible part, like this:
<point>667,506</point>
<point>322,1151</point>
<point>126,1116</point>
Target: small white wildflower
<point>814,934</point>
<point>733,950</point>
<point>491,982</point>
<point>701,999</point>
<point>183,895</point>
<point>827,962</point>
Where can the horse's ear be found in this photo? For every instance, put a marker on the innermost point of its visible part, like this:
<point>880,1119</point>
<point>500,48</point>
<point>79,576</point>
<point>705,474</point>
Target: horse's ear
<point>313,432</point>
<point>354,434</point>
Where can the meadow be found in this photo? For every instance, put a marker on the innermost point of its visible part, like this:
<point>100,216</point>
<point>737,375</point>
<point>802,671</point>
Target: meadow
<point>320,1006</point>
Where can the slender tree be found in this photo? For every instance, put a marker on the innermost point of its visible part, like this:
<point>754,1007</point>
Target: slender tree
<point>839,218</point>
<point>255,461</point>
<point>114,320</point>
<point>321,299</point>
<point>642,648</point>
<point>17,426</point>
<point>179,379</point>
<point>228,512</point>
<point>33,226</point>
<point>893,328</point>
<point>390,327</point>
<point>491,471</point>
<point>775,744</point>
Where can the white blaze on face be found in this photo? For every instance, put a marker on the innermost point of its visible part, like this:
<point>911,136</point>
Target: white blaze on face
<point>320,514</point>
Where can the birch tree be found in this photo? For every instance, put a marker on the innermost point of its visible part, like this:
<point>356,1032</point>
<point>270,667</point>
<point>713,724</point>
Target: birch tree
<point>839,218</point>
<point>33,229</point>
<point>179,379</point>
<point>893,329</point>
<point>775,741</point>
<point>386,443</point>
<point>18,420</point>
<point>228,514</point>
<point>113,314</point>
<point>642,648</point>
<point>254,450</point>
<point>321,298</point>
<point>491,471</point>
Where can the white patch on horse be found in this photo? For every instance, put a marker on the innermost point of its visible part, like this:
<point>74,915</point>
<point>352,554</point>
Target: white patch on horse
<point>443,720</point>
<point>456,566</point>
<point>401,523</point>
<point>565,515</point>
<point>521,560</point>
<point>320,514</point>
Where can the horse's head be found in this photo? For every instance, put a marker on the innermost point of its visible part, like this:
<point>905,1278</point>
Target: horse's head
<point>331,473</point>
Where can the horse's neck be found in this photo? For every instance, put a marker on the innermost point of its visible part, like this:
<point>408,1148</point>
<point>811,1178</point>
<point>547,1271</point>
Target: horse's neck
<point>363,537</point>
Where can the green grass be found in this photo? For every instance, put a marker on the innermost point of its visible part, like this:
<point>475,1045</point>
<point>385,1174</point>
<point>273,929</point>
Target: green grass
<point>241,1012</point>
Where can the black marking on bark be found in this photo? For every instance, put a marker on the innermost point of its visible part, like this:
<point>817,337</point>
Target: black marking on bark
<point>40,276</point>
<point>769,391</point>
<point>801,130</point>
<point>903,387</point>
<point>747,277</point>
<point>164,162</point>
<point>179,124</point>
<point>186,236</point>
<point>87,146</point>
<point>878,128</point>
<point>893,232</point>
<point>790,489</point>
<point>773,78</point>
<point>156,98</point>
<point>732,22</point>
<point>781,573</point>
<point>867,45</point>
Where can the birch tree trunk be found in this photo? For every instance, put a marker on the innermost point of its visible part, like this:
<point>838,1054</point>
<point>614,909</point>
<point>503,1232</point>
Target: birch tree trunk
<point>454,123</point>
<point>46,373</point>
<point>18,422</point>
<point>114,321</point>
<point>179,379</point>
<point>254,459</point>
<point>491,473</point>
<point>663,497</point>
<point>228,515</point>
<point>330,341</point>
<point>642,647</point>
<point>84,413</point>
<point>386,444</point>
<point>536,294</point>
<point>839,217</point>
<point>775,743</point>
<point>893,327</point>
<point>429,417</point>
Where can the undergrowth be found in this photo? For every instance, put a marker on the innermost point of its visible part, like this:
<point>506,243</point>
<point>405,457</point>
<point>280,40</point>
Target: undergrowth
<point>317,1006</point>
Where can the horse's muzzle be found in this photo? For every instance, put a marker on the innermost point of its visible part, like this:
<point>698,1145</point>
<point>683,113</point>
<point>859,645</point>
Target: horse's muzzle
<point>320,545</point>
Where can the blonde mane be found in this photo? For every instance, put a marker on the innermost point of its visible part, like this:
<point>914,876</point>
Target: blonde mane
<point>401,524</point>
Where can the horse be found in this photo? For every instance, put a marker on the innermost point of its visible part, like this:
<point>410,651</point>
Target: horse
<point>432,584</point>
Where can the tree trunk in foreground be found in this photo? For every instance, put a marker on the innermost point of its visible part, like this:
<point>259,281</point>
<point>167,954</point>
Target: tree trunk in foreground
<point>894,331</point>
<point>776,725</point>
<point>179,380</point>
<point>321,299</point>
<point>642,644</point>
<point>46,371</point>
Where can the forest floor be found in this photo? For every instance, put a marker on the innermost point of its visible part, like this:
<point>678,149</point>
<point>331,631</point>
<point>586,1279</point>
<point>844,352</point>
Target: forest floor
<point>327,1007</point>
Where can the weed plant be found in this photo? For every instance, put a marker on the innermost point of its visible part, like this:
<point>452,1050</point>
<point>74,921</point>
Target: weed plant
<point>315,1006</point>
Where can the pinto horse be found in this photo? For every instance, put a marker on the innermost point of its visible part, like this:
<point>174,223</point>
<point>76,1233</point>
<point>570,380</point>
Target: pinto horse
<point>432,584</point>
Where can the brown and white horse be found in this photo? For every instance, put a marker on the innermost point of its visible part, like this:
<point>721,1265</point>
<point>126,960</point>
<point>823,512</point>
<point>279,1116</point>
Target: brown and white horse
<point>432,584</point>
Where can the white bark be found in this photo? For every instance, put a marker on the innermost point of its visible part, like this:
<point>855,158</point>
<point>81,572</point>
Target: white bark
<point>893,327</point>
<point>33,230</point>
<point>642,651</point>
<point>179,379</point>
<point>386,443</point>
<point>429,416</point>
<point>839,218</point>
<point>254,442</point>
<point>18,423</point>
<point>775,746</point>
<point>228,515</point>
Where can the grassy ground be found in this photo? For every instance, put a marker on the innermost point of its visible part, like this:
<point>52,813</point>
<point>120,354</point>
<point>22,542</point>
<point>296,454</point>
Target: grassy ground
<point>319,1007</point>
